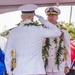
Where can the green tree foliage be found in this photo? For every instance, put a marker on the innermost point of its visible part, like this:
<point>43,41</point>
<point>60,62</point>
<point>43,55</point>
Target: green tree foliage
<point>70,27</point>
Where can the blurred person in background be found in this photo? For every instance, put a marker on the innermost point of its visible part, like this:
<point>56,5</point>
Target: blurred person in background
<point>2,55</point>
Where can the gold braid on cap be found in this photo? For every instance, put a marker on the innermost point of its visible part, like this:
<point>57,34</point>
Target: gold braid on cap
<point>52,11</point>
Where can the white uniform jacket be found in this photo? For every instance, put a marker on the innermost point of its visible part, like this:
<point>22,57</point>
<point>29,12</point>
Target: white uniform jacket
<point>27,42</point>
<point>52,67</point>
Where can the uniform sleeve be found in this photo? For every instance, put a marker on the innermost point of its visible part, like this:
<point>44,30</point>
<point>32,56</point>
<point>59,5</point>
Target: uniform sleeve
<point>67,44</point>
<point>8,58</point>
<point>51,31</point>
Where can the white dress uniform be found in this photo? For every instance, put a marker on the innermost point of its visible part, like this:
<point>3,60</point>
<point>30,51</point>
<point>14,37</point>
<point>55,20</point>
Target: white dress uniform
<point>2,43</point>
<point>52,68</point>
<point>27,43</point>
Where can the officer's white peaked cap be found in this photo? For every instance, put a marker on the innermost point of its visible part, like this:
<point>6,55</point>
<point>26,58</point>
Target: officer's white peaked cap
<point>28,7</point>
<point>52,10</point>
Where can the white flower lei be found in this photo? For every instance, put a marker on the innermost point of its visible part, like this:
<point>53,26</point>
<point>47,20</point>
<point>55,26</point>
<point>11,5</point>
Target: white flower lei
<point>27,21</point>
<point>60,46</point>
<point>58,38</point>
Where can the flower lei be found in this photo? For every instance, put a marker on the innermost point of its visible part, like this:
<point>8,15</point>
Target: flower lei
<point>45,49</point>
<point>59,47</point>
<point>29,23</point>
<point>59,51</point>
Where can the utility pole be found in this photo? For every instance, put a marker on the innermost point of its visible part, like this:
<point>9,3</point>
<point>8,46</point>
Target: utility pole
<point>70,14</point>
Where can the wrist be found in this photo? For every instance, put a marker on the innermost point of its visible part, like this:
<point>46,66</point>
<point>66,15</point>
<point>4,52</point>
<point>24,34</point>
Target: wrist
<point>67,67</point>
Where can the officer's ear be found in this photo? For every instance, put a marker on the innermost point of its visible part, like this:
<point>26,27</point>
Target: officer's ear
<point>21,16</point>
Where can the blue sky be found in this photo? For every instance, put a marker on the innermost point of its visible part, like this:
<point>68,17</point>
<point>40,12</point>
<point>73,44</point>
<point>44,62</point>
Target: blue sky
<point>8,20</point>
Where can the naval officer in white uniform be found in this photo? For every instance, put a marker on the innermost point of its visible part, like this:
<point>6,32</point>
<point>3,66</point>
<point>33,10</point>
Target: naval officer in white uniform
<point>57,48</point>
<point>26,40</point>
